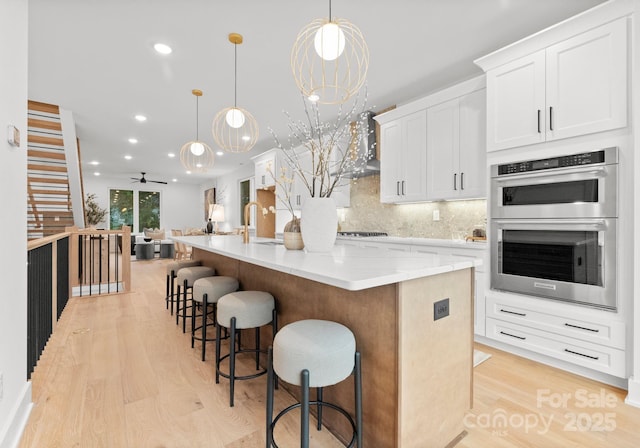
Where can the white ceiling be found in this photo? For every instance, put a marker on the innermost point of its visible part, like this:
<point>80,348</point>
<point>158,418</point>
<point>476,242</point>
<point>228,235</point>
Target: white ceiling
<point>95,58</point>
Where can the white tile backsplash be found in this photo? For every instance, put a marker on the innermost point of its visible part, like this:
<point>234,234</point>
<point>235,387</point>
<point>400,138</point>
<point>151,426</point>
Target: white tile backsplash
<point>457,218</point>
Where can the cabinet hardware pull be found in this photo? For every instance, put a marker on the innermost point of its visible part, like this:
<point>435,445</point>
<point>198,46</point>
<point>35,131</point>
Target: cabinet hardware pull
<point>522,338</point>
<point>595,330</point>
<point>462,181</point>
<point>403,193</point>
<point>512,312</point>
<point>455,181</point>
<point>398,188</point>
<point>581,354</point>
<point>539,121</point>
<point>551,118</point>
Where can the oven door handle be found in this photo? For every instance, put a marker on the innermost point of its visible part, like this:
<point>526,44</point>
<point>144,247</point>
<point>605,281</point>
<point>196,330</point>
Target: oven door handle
<point>550,224</point>
<point>600,172</point>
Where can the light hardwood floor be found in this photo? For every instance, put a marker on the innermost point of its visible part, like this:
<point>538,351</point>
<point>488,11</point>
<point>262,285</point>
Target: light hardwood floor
<point>118,372</point>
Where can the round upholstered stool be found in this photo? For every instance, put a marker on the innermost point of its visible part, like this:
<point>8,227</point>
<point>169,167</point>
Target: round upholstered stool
<point>314,353</point>
<point>207,291</point>
<point>239,311</point>
<point>185,280</point>
<point>172,271</point>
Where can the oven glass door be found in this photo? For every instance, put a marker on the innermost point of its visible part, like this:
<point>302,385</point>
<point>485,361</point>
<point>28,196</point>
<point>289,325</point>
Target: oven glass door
<point>571,260</point>
<point>568,193</point>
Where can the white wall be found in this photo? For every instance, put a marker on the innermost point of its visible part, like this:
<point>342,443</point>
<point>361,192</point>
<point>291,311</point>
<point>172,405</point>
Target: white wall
<point>16,400</point>
<point>181,205</point>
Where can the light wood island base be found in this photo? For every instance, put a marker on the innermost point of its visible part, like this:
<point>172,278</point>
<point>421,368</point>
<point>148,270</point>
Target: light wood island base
<point>417,372</point>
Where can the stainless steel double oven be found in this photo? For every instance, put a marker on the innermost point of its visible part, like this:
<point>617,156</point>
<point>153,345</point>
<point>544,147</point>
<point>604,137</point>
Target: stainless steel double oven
<point>553,227</point>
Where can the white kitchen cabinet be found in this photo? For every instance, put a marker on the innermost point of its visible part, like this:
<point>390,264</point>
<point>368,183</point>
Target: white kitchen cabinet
<point>591,340</point>
<point>575,87</point>
<point>403,152</point>
<point>456,151</point>
<point>265,169</point>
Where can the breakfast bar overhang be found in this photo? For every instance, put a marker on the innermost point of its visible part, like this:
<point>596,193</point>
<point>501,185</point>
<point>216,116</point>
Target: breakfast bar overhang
<point>417,370</point>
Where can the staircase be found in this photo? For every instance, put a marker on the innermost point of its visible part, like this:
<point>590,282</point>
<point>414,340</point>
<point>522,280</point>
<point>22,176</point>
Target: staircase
<point>49,205</point>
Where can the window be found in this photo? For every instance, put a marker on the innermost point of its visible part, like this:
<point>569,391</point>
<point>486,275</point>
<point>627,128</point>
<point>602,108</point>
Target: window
<point>245,197</point>
<point>136,209</point>
<point>120,209</point>
<point>148,210</point>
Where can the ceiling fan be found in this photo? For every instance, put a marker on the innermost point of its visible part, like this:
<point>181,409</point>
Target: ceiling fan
<point>142,180</point>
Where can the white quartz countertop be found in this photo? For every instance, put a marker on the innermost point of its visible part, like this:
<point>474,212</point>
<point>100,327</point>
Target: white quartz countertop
<point>347,267</point>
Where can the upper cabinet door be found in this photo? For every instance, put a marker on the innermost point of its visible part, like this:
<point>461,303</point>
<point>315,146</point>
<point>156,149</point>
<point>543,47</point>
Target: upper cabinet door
<point>443,143</point>
<point>413,168</point>
<point>473,154</point>
<point>390,147</point>
<point>587,82</point>
<point>516,103</point>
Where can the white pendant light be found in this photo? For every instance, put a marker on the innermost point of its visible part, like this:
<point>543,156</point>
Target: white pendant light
<point>329,60</point>
<point>234,129</point>
<point>196,155</point>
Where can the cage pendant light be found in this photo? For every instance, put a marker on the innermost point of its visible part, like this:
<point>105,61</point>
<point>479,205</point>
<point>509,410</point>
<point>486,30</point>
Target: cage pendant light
<point>196,156</point>
<point>329,60</point>
<point>234,128</point>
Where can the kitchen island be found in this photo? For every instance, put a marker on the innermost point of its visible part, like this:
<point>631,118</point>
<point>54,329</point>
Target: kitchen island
<point>417,371</point>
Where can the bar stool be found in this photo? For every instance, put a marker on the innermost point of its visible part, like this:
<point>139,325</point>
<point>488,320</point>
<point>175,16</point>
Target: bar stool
<point>185,279</point>
<point>314,353</point>
<point>172,271</point>
<point>238,311</point>
<point>207,291</point>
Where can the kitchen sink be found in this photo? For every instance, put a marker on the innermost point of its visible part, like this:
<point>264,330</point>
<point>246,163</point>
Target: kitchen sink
<point>270,243</point>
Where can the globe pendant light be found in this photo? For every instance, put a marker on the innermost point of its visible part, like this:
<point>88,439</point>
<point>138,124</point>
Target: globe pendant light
<point>329,60</point>
<point>234,129</point>
<point>196,155</point>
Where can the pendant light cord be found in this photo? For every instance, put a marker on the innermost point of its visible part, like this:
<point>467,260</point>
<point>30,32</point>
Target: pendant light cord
<point>235,76</point>
<point>197,120</point>
<point>329,10</point>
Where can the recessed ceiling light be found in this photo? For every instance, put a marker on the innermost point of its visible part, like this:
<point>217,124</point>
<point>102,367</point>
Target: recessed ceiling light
<point>174,180</point>
<point>141,118</point>
<point>128,157</point>
<point>133,140</point>
<point>220,153</point>
<point>246,138</point>
<point>94,163</point>
<point>313,98</point>
<point>162,48</point>
<point>96,173</point>
<point>188,172</point>
<point>172,155</point>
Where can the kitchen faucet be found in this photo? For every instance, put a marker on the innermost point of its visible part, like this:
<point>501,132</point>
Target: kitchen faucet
<point>245,236</point>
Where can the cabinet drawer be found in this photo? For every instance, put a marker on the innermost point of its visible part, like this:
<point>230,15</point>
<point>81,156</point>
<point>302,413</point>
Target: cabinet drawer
<point>597,357</point>
<point>611,333</point>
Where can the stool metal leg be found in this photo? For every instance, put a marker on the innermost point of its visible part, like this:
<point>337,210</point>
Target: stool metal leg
<point>173,277</point>
<point>166,297</point>
<point>193,322</point>
<point>232,361</point>
<point>205,308</point>
<point>184,308</point>
<point>217,353</point>
<point>257,348</point>
<point>304,411</point>
<point>319,395</point>
<point>358,393</point>
<point>270,381</point>
<point>274,330</point>
<point>178,295</point>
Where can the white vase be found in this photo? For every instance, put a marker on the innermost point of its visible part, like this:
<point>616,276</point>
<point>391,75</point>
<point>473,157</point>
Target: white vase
<point>319,224</point>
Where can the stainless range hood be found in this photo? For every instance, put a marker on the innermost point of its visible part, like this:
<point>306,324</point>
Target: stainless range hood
<point>366,149</point>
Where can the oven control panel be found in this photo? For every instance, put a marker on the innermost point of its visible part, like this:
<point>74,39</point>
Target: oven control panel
<point>587,158</point>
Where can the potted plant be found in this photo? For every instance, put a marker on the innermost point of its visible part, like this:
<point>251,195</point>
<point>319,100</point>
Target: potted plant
<point>94,214</point>
<point>320,154</point>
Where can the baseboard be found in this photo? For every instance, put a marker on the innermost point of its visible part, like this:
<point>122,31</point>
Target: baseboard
<point>633,395</point>
<point>17,419</point>
<point>615,381</point>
